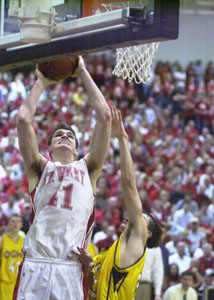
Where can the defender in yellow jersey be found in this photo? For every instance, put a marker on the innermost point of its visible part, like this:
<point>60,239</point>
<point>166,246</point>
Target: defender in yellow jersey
<point>110,281</point>
<point>114,274</point>
<point>11,255</point>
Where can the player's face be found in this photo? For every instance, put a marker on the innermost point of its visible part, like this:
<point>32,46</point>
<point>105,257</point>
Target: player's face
<point>15,224</point>
<point>125,222</point>
<point>123,225</point>
<point>63,138</point>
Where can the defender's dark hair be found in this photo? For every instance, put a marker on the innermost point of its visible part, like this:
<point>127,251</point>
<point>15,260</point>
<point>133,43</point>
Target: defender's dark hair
<point>155,227</point>
<point>63,126</point>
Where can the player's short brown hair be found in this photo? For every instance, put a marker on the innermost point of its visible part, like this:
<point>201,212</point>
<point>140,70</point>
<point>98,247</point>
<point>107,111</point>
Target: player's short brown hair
<point>63,126</point>
<point>155,227</point>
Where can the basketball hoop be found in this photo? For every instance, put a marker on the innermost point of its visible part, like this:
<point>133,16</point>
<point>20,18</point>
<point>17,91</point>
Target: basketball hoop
<point>134,62</point>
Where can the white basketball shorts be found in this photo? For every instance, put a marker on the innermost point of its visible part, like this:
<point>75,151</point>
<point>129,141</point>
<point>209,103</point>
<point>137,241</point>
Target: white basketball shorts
<point>50,279</point>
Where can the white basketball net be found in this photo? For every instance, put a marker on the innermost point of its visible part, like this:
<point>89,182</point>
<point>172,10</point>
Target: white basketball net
<point>135,62</point>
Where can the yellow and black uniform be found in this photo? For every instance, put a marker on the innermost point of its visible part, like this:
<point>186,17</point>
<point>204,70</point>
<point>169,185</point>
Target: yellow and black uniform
<point>110,282</point>
<point>92,249</point>
<point>11,256</point>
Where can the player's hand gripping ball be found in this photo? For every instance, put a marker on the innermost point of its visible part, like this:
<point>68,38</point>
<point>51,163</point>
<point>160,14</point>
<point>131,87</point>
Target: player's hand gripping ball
<point>58,69</point>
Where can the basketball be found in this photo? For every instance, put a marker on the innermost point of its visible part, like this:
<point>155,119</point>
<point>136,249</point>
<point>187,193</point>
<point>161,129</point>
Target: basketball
<point>60,68</point>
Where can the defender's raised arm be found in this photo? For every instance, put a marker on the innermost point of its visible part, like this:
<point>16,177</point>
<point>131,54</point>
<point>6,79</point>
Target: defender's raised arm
<point>130,194</point>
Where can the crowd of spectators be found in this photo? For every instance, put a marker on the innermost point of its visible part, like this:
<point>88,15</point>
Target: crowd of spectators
<point>170,123</point>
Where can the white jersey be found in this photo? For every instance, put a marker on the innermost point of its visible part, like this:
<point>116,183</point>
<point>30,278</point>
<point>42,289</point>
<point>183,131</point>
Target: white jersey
<point>63,203</point>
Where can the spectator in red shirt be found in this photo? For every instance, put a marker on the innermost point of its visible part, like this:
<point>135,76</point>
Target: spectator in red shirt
<point>190,85</point>
<point>112,179</point>
<point>202,107</point>
<point>187,108</point>
<point>207,260</point>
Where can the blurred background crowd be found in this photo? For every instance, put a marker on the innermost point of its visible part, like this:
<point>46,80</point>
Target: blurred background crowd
<point>170,123</point>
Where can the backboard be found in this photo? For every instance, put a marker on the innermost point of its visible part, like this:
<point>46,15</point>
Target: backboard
<point>88,26</point>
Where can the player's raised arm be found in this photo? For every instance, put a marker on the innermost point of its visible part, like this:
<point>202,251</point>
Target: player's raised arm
<point>141,228</point>
<point>130,194</point>
<point>33,161</point>
<point>100,140</point>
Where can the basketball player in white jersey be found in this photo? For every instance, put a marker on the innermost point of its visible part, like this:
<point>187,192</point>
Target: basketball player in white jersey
<point>62,193</point>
